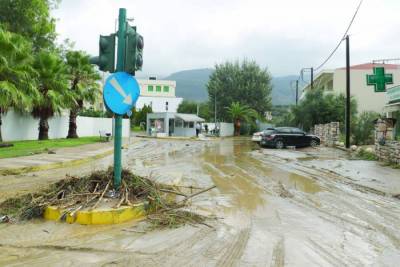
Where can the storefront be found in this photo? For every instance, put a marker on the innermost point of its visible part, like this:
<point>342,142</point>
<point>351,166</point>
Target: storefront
<point>392,109</point>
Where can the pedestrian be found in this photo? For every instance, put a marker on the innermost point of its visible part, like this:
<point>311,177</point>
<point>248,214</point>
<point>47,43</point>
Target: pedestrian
<point>206,128</point>
<point>198,129</point>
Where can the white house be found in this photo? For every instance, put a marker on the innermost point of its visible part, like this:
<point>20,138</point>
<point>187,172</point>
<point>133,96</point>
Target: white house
<point>367,97</point>
<point>159,94</point>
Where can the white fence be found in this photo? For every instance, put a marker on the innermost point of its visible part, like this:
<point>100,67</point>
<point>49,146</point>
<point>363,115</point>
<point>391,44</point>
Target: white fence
<point>24,127</point>
<point>226,129</point>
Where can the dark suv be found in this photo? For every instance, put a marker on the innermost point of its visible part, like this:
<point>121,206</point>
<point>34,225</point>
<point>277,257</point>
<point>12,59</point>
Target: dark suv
<point>281,137</point>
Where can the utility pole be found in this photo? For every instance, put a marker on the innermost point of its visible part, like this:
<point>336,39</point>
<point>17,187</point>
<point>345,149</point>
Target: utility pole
<point>297,91</point>
<point>347,92</point>
<point>312,78</point>
<point>118,118</point>
<point>215,109</point>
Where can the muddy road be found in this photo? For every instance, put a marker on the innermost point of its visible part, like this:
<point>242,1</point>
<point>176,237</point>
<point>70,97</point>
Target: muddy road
<point>310,207</point>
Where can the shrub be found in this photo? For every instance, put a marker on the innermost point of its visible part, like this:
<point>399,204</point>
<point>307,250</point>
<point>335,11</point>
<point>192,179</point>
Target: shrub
<point>363,128</point>
<point>366,155</point>
<point>95,113</point>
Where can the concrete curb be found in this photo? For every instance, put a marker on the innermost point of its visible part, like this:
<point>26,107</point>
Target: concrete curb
<point>97,216</point>
<point>56,165</point>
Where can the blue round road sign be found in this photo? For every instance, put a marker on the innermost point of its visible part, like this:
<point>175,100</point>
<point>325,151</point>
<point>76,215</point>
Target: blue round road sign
<point>121,92</point>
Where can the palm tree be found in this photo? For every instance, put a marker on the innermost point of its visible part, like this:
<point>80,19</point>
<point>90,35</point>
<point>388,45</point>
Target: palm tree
<point>17,83</point>
<point>83,86</point>
<point>240,113</point>
<point>52,87</point>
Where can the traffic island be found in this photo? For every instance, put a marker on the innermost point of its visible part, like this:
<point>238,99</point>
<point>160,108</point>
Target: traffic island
<point>92,200</point>
<point>105,215</point>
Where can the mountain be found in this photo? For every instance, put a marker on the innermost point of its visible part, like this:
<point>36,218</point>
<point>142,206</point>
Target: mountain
<point>191,85</point>
<point>282,93</point>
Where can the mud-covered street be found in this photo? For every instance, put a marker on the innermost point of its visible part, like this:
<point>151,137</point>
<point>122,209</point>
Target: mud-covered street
<point>310,207</point>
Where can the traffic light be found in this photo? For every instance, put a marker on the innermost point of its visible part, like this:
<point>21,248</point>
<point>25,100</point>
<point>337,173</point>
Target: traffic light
<point>106,58</point>
<point>134,50</point>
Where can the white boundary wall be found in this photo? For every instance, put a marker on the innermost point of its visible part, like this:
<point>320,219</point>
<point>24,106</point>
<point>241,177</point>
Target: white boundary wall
<point>24,127</point>
<point>227,129</point>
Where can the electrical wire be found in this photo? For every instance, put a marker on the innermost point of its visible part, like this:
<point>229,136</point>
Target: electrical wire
<point>342,39</point>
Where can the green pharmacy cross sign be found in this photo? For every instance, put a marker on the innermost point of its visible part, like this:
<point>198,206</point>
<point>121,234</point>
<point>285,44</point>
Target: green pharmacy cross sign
<point>379,79</point>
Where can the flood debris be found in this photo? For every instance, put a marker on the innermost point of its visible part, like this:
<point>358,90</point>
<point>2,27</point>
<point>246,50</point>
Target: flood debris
<point>175,218</point>
<point>283,192</point>
<point>163,203</point>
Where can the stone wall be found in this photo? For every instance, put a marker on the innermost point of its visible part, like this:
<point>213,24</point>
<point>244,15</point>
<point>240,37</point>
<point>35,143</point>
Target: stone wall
<point>389,151</point>
<point>328,133</point>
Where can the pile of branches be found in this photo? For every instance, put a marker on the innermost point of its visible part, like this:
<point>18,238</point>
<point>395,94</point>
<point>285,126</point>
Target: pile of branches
<point>76,193</point>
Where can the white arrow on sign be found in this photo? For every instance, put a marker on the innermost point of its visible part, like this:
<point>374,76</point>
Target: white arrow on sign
<point>118,88</point>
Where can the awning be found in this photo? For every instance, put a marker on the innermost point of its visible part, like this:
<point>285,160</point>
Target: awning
<point>392,107</point>
<point>189,117</point>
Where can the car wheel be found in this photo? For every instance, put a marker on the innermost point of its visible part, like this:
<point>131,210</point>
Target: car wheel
<point>279,144</point>
<point>313,143</point>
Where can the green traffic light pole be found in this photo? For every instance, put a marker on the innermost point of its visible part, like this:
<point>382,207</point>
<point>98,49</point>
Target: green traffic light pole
<point>118,118</point>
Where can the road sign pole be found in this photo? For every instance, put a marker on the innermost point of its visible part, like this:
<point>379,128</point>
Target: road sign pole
<point>118,118</point>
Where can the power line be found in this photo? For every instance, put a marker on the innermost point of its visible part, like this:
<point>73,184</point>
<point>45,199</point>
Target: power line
<point>342,39</point>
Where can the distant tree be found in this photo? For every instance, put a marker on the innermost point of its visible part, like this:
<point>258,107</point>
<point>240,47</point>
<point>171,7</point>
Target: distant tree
<point>190,107</point>
<point>31,19</point>
<point>321,107</point>
<point>187,106</point>
<point>17,77</point>
<point>240,113</point>
<point>244,82</point>
<point>140,116</point>
<point>83,86</point>
<point>204,111</point>
<point>53,89</point>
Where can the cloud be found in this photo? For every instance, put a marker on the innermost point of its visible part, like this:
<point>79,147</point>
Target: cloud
<point>281,35</point>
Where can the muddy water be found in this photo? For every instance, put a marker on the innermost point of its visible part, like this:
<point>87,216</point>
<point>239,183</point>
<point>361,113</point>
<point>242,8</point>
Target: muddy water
<point>274,208</point>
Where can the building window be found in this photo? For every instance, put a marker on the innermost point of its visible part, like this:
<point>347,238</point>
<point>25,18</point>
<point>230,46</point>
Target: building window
<point>178,123</point>
<point>166,106</point>
<point>166,89</point>
<point>150,88</point>
<point>158,88</point>
<point>191,124</point>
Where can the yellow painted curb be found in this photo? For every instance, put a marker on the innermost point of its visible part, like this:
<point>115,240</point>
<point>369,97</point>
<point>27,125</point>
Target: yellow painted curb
<point>14,171</point>
<point>98,216</point>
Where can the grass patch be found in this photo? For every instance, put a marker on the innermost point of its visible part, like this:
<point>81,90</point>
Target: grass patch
<point>32,147</point>
<point>74,193</point>
<point>137,129</point>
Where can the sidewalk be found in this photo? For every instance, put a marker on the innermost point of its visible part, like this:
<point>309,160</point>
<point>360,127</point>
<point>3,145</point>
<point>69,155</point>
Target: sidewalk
<point>62,157</point>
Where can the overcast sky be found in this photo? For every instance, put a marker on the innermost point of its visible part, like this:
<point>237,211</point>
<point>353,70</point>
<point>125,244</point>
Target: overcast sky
<point>282,35</point>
